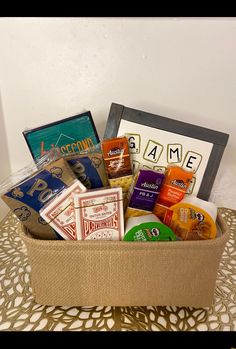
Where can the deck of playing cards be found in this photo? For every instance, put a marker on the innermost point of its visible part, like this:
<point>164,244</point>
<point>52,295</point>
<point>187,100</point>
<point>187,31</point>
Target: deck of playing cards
<point>60,213</point>
<point>99,214</point>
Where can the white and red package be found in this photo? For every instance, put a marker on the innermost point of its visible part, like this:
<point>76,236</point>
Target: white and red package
<point>60,212</point>
<point>99,214</point>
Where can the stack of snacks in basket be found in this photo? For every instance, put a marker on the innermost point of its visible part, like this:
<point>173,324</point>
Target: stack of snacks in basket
<point>164,195</point>
<point>140,223</point>
<point>86,195</point>
<point>189,217</point>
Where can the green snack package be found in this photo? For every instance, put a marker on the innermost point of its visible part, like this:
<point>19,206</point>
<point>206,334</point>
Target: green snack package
<point>150,231</point>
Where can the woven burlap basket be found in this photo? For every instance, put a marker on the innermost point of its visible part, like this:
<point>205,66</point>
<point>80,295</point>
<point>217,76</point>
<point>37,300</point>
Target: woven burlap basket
<point>120,273</point>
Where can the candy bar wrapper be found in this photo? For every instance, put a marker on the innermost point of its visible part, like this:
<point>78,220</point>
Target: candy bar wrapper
<point>89,169</point>
<point>144,191</point>
<point>117,157</point>
<point>28,196</point>
<point>99,214</point>
<point>59,213</point>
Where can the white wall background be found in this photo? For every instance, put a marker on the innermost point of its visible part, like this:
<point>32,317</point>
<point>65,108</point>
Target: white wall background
<point>182,68</point>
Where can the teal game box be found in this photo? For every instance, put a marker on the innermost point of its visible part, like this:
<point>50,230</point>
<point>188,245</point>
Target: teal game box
<point>73,134</point>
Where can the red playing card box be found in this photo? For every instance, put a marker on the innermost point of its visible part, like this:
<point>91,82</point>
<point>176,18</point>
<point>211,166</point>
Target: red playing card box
<point>99,214</point>
<point>60,213</point>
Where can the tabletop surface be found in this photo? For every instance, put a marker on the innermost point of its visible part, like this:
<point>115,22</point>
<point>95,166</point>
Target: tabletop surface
<point>19,312</point>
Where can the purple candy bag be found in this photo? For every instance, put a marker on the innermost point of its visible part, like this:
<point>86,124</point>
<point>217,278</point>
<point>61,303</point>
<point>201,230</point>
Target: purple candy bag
<point>146,188</point>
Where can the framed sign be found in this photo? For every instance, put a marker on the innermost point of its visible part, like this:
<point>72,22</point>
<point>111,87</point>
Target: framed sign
<point>73,134</point>
<point>156,141</point>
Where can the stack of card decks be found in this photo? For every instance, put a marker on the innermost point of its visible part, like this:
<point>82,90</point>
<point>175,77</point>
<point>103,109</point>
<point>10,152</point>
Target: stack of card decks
<point>77,214</point>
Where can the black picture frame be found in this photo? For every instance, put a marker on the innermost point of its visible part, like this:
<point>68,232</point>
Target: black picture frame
<point>219,140</point>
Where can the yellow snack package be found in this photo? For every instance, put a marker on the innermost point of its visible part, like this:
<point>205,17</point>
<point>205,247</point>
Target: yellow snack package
<point>124,183</point>
<point>135,212</point>
<point>192,219</point>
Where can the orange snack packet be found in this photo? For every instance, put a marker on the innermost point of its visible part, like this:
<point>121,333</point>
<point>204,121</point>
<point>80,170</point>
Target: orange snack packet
<point>116,157</point>
<point>176,183</point>
<point>192,219</point>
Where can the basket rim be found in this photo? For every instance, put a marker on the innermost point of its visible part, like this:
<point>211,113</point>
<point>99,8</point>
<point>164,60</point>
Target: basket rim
<point>220,241</point>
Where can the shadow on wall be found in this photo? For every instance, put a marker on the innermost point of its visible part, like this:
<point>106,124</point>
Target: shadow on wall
<point>4,158</point>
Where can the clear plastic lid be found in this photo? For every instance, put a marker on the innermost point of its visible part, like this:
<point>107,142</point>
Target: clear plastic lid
<point>209,207</point>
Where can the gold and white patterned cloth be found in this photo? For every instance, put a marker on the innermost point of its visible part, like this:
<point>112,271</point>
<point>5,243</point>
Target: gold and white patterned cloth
<point>19,312</point>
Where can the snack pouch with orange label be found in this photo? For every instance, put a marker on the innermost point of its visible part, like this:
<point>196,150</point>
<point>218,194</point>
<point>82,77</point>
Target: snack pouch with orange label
<point>118,164</point>
<point>176,183</point>
<point>117,157</point>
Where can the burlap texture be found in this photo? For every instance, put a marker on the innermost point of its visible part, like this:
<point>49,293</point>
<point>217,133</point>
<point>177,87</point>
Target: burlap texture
<point>119,273</point>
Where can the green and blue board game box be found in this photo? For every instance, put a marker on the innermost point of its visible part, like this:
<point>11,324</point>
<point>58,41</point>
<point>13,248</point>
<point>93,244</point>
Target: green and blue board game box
<point>73,134</point>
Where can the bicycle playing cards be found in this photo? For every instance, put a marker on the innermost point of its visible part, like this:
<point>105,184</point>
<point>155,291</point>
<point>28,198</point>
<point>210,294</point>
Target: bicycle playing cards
<point>60,214</point>
<point>99,214</point>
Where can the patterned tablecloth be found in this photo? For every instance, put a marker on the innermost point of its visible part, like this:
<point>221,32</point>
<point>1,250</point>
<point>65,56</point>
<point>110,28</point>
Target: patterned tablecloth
<point>19,312</point>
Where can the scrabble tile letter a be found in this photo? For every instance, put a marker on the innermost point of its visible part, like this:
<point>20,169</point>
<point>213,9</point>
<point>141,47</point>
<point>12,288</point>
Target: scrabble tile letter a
<point>153,151</point>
